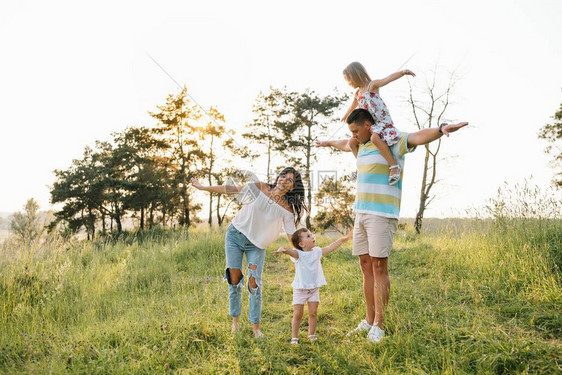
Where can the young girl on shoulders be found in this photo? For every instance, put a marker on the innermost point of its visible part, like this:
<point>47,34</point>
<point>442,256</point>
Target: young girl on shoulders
<point>383,132</point>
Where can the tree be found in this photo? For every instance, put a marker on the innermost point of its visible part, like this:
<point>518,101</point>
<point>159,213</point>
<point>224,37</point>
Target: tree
<point>305,118</point>
<point>335,205</point>
<point>26,225</point>
<point>80,188</point>
<point>145,171</point>
<point>427,113</point>
<point>177,126</point>
<point>216,132</point>
<point>264,128</point>
<point>112,167</point>
<point>553,134</point>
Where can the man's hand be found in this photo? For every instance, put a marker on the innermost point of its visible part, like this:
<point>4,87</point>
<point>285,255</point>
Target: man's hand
<point>451,128</point>
<point>322,143</point>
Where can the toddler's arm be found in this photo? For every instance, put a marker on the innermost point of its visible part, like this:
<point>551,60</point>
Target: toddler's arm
<point>376,83</point>
<point>286,250</point>
<point>337,243</point>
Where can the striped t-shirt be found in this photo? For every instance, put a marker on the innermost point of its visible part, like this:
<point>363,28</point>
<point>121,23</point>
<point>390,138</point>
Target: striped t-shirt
<point>374,195</point>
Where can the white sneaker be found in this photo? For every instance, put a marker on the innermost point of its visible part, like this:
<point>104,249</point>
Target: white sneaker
<point>363,326</point>
<point>375,334</point>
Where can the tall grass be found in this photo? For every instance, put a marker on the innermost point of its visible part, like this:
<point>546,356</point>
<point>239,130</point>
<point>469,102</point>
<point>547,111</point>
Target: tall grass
<point>483,300</point>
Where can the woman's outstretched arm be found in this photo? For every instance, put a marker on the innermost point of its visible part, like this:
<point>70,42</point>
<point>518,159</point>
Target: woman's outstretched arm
<point>219,189</point>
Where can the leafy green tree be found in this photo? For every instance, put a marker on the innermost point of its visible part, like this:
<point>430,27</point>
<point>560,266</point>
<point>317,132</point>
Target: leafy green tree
<point>553,134</point>
<point>80,188</point>
<point>145,175</point>
<point>334,201</point>
<point>304,119</point>
<point>26,225</point>
<point>177,125</point>
<point>112,167</point>
<point>264,128</point>
<point>213,132</point>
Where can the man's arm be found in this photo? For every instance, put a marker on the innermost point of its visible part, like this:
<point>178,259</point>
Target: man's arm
<point>340,144</point>
<point>425,136</point>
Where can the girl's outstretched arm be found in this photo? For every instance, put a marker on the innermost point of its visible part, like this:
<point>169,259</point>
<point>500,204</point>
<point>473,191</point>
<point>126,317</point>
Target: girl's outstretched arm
<point>337,243</point>
<point>351,108</point>
<point>376,83</point>
<point>219,189</point>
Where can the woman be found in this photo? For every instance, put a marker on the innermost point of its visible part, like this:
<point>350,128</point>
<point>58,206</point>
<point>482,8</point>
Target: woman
<point>265,209</point>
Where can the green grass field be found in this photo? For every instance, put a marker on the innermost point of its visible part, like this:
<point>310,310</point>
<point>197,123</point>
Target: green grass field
<point>481,300</point>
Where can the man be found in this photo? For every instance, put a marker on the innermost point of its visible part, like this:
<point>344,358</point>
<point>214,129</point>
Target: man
<point>377,208</point>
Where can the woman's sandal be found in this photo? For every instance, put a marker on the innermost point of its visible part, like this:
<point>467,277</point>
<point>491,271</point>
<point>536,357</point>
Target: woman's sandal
<point>312,338</point>
<point>394,177</point>
<point>294,341</point>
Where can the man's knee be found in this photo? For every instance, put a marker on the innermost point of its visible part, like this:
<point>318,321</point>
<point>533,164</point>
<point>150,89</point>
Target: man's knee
<point>380,265</point>
<point>366,264</point>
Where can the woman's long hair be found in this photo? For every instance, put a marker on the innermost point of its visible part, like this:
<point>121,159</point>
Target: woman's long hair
<point>295,197</point>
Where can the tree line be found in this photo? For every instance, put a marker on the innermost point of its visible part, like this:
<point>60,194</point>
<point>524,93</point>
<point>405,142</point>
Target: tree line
<point>144,172</point>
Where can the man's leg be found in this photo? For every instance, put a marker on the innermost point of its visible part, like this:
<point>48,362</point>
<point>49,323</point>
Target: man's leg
<point>428,135</point>
<point>381,289</point>
<point>365,261</point>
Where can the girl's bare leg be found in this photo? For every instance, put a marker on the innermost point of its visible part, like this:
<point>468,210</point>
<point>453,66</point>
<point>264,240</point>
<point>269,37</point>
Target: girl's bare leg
<point>385,152</point>
<point>297,318</point>
<point>312,317</point>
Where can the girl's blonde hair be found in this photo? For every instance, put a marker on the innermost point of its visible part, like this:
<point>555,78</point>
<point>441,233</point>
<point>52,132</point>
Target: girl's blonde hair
<point>357,74</point>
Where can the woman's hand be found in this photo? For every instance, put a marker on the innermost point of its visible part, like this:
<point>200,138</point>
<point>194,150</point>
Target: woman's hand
<point>323,144</point>
<point>348,237</point>
<point>196,184</point>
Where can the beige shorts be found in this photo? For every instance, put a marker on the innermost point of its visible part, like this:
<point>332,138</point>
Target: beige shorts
<point>373,235</point>
<point>302,296</point>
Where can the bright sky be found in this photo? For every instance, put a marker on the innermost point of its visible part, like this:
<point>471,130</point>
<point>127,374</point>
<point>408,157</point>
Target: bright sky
<point>74,72</point>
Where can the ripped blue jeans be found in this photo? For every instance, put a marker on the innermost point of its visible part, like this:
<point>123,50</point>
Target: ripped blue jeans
<point>236,244</point>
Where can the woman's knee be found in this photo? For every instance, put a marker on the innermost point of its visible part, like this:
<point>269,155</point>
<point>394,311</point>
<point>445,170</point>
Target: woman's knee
<point>254,278</point>
<point>235,276</point>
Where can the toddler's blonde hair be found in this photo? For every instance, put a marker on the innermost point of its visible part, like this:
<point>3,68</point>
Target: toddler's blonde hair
<point>357,74</point>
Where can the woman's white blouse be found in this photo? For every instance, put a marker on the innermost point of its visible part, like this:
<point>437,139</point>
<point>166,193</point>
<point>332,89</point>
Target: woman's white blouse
<point>261,219</point>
